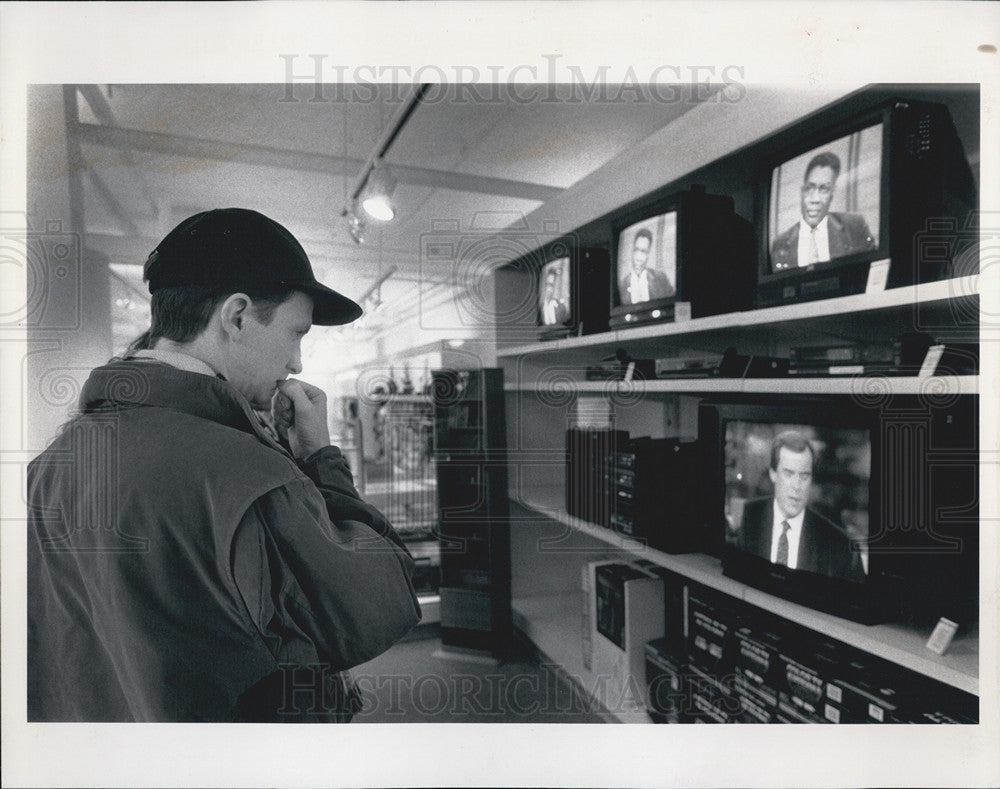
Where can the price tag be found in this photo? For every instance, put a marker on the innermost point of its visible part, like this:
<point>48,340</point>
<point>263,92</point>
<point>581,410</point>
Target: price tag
<point>941,638</point>
<point>931,361</point>
<point>878,275</point>
<point>682,311</point>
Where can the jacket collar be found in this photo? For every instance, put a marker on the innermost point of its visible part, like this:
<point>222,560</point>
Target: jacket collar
<point>138,382</point>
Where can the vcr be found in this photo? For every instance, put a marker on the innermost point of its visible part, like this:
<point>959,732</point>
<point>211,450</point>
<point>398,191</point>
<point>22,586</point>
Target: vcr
<point>652,485</point>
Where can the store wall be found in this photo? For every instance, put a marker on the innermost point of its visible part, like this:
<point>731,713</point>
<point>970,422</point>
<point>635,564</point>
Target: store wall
<point>68,298</point>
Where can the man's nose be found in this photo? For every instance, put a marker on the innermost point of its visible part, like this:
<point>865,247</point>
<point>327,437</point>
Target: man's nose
<point>295,363</point>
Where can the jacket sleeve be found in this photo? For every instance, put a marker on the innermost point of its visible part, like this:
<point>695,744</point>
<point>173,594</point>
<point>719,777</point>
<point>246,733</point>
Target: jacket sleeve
<point>317,565</point>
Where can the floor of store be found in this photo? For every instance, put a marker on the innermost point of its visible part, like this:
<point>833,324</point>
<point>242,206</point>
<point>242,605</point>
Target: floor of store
<point>413,683</point>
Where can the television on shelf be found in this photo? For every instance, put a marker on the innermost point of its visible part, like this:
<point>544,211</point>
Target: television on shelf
<point>871,201</point>
<point>869,513</point>
<point>685,255</point>
<point>570,293</point>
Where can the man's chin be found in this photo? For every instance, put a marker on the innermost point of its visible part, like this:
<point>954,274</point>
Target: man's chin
<point>261,403</point>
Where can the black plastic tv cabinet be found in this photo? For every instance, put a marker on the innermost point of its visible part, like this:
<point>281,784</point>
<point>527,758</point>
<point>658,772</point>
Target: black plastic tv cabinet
<point>471,454</point>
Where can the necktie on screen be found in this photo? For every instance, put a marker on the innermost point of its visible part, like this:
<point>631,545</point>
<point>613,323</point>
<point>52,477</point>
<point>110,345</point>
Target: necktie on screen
<point>783,543</point>
<point>813,246</point>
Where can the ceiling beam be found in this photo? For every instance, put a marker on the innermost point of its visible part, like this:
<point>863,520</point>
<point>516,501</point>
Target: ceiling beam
<point>103,112</point>
<point>266,156</point>
<point>112,203</point>
<point>129,286</point>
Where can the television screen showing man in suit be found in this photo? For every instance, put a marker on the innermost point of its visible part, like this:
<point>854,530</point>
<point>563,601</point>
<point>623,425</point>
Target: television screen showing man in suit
<point>647,260</point>
<point>553,296</point>
<point>797,496</point>
<point>826,203</point>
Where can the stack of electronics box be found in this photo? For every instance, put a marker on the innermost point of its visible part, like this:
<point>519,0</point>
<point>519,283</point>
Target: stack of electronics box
<point>738,664</point>
<point>642,488</point>
<point>627,605</point>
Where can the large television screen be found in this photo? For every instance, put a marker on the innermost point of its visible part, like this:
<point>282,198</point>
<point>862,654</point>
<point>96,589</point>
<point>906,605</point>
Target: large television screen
<point>646,262</point>
<point>797,495</point>
<point>554,306</point>
<point>826,203</point>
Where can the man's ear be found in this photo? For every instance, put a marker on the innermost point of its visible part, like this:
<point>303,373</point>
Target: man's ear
<point>233,314</point>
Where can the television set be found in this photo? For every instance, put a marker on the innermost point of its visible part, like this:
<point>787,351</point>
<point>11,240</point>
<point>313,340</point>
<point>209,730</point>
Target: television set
<point>869,512</point>
<point>570,292</point>
<point>862,200</point>
<point>684,255</point>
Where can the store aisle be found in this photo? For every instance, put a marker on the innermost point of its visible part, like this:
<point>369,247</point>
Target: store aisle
<point>409,684</point>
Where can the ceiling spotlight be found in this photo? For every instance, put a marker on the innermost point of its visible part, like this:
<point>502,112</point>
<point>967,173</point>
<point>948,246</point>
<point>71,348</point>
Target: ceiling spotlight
<point>377,198</point>
<point>356,227</point>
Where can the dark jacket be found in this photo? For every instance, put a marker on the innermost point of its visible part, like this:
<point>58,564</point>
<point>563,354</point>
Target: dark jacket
<point>657,283</point>
<point>823,546</point>
<point>183,567</point>
<point>560,310</point>
<point>848,233</point>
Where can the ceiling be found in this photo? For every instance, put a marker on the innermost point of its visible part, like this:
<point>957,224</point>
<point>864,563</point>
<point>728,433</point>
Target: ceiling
<point>468,157</point>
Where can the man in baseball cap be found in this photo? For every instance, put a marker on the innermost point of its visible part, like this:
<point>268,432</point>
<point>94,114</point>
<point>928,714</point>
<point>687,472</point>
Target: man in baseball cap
<point>185,562</point>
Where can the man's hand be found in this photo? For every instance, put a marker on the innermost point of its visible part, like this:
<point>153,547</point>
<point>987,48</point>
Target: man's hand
<point>299,411</point>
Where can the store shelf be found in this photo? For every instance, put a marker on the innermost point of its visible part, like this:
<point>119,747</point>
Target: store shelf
<point>553,624</point>
<point>898,643</point>
<point>426,399</point>
<point>859,385</point>
<point>698,567</point>
<point>824,315</point>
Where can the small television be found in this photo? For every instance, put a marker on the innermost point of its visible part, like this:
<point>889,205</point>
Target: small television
<point>869,201</point>
<point>570,292</point>
<point>869,513</point>
<point>685,255</point>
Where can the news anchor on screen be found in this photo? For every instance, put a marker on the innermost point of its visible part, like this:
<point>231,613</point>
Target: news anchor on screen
<point>641,283</point>
<point>554,310</point>
<point>820,235</point>
<point>784,530</point>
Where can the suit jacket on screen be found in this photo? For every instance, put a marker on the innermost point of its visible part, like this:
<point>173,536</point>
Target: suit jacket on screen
<point>848,233</point>
<point>657,283</point>
<point>823,546</point>
<point>561,312</point>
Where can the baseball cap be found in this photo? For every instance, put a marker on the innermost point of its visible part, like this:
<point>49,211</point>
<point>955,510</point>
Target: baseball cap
<point>239,248</point>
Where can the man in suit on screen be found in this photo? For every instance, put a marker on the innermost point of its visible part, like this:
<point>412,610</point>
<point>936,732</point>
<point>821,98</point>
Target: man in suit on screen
<point>820,235</point>
<point>784,530</point>
<point>641,283</point>
<point>555,312</point>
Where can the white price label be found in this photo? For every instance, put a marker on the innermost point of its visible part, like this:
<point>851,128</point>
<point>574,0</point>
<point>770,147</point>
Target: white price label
<point>931,360</point>
<point>941,638</point>
<point>878,275</point>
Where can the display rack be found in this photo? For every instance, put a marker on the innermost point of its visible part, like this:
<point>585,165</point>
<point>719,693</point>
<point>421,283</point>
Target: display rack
<point>547,381</point>
<point>895,642</point>
<point>544,378</point>
<point>472,490</point>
